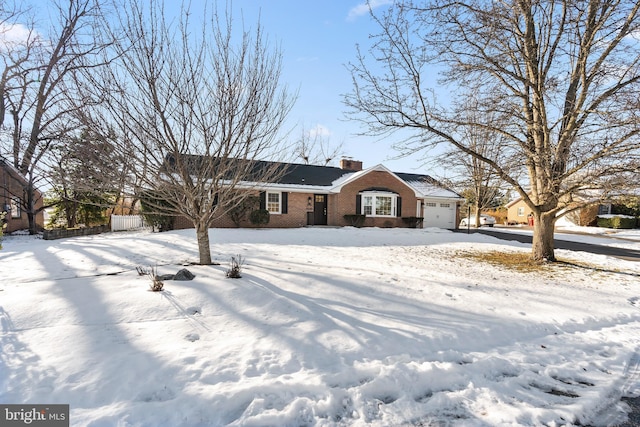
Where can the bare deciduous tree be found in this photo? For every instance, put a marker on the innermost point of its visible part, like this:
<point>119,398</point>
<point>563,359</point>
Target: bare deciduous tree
<point>473,179</point>
<point>16,42</point>
<point>470,176</point>
<point>38,87</point>
<point>195,111</point>
<point>558,79</point>
<point>313,148</point>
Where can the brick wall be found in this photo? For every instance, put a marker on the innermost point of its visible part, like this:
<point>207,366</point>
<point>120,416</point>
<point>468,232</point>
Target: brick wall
<point>344,203</point>
<point>181,223</point>
<point>338,205</point>
<point>10,187</point>
<point>295,217</point>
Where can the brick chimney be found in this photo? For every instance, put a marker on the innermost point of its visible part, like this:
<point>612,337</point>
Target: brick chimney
<point>350,165</point>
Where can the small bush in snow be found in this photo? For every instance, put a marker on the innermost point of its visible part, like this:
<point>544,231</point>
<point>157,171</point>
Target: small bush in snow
<point>239,213</point>
<point>152,273</point>
<point>235,267</point>
<point>355,220</point>
<point>259,217</point>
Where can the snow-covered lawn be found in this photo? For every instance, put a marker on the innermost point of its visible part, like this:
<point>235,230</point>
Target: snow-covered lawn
<point>326,327</point>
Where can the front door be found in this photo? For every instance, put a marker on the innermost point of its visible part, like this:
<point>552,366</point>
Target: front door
<point>320,209</point>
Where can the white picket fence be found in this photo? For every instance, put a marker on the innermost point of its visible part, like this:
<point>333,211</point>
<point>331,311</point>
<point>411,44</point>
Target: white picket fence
<point>126,222</point>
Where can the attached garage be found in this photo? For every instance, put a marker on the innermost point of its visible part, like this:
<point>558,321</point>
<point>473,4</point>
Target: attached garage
<point>305,195</point>
<point>439,213</point>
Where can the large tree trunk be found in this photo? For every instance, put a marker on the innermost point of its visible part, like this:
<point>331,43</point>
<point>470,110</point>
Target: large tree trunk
<point>204,248</point>
<point>31,211</point>
<point>560,114</point>
<point>70,211</point>
<point>542,248</point>
<point>477,209</point>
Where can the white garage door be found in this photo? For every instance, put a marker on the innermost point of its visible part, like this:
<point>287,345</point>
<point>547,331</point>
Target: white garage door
<point>439,214</point>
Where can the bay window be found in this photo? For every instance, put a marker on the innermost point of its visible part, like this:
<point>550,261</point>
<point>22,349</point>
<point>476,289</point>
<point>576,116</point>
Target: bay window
<point>378,204</point>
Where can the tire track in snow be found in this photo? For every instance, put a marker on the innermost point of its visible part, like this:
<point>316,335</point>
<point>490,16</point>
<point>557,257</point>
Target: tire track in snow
<point>632,375</point>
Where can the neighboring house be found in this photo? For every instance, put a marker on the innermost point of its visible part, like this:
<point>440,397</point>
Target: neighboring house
<point>587,216</point>
<point>518,211</point>
<point>12,198</point>
<point>323,195</point>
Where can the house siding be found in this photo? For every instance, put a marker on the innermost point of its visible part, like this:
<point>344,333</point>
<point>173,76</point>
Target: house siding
<point>512,213</point>
<point>585,216</point>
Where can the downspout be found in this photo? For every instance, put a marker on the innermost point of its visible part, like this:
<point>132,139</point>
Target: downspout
<point>6,205</point>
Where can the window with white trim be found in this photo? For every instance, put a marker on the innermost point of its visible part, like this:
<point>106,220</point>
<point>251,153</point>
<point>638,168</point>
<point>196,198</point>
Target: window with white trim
<point>445,205</point>
<point>379,204</point>
<point>273,203</point>
<point>430,204</point>
<point>367,205</point>
<point>521,211</point>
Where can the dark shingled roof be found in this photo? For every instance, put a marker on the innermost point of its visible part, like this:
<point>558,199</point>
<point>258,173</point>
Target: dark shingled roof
<point>288,173</point>
<point>312,175</point>
<point>326,175</point>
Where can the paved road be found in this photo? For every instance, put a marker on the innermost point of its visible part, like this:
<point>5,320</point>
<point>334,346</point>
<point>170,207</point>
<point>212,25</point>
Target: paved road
<point>634,415</point>
<point>626,254</point>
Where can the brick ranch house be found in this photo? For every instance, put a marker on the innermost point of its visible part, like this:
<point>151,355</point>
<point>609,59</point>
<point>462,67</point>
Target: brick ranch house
<point>322,195</point>
<point>12,198</point>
